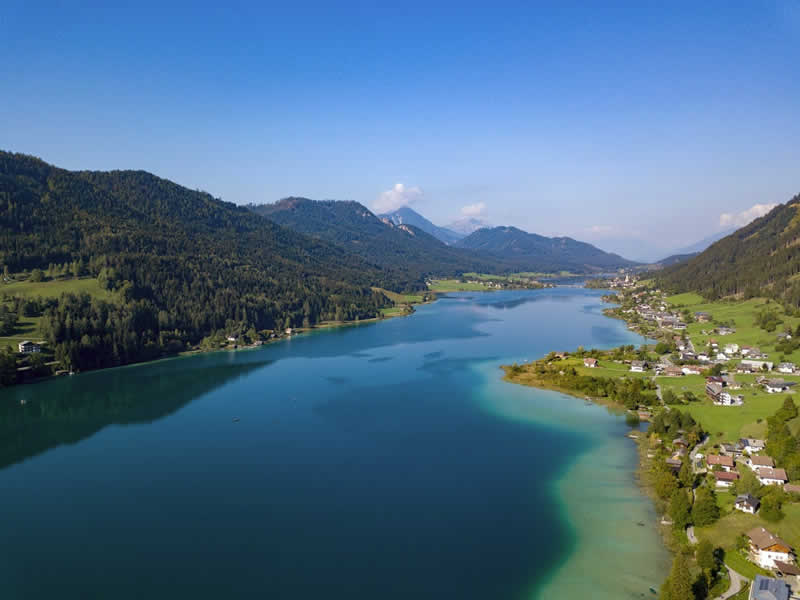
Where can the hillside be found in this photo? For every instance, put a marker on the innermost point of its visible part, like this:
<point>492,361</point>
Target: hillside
<point>408,216</point>
<point>183,265</point>
<point>531,252</point>
<point>403,250</point>
<point>760,259</point>
<point>674,260</point>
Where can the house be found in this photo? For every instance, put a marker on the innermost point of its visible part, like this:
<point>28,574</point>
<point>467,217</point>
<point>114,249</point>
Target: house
<point>731,349</point>
<point>28,347</point>
<point>787,572</point>
<point>722,356</point>
<point>747,503</point>
<point>725,330</point>
<point>729,381</point>
<point>791,488</point>
<point>691,370</point>
<point>776,386</point>
<point>769,476</point>
<point>638,366</point>
<point>751,445</point>
<point>726,462</point>
<point>728,399</point>
<point>784,335</point>
<point>680,441</point>
<point>288,331</point>
<point>231,338</point>
<point>729,449</point>
<point>725,478</point>
<point>786,367</point>
<point>758,462</point>
<point>767,588</point>
<point>673,371</point>
<point>766,548</point>
<point>702,317</point>
<point>674,463</point>
<point>590,362</point>
<point>713,390</point>
<point>703,357</point>
<point>756,365</point>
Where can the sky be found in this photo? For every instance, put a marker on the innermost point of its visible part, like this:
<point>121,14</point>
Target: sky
<point>641,127</point>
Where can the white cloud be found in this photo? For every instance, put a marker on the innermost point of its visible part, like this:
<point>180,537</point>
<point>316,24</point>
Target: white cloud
<point>400,195</point>
<point>741,219</point>
<point>474,210</point>
<point>600,229</point>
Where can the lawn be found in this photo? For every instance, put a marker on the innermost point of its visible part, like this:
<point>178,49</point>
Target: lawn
<point>724,532</point>
<point>27,329</point>
<point>454,285</point>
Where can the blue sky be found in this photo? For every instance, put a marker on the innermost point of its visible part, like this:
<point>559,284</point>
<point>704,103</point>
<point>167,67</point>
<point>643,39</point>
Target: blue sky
<point>634,125</point>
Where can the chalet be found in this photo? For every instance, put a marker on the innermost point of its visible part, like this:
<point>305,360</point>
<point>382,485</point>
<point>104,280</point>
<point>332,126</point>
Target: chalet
<point>674,463</point>
<point>721,356</point>
<point>751,445</point>
<point>673,371</point>
<point>28,347</point>
<point>681,442</point>
<point>231,338</point>
<point>768,588</point>
<point>713,390</point>
<point>691,370</point>
<point>716,460</point>
<point>725,330</point>
<point>787,571</point>
<point>590,362</point>
<point>638,366</point>
<point>725,478</point>
<point>679,326</point>
<point>776,386</point>
<point>766,548</point>
<point>688,356</point>
<point>731,349</point>
<point>703,357</point>
<point>758,462</point>
<point>786,367</point>
<point>747,503</point>
<point>702,317</point>
<point>771,476</point>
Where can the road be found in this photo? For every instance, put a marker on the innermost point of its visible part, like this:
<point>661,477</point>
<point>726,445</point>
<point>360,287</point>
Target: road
<point>691,536</point>
<point>737,583</point>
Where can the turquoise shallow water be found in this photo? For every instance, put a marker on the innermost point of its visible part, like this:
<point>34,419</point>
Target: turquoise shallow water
<point>386,460</point>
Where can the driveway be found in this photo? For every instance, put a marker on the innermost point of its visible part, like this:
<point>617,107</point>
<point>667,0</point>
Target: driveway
<point>737,583</point>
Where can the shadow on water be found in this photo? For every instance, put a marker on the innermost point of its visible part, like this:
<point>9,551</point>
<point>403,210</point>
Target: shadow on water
<point>79,407</point>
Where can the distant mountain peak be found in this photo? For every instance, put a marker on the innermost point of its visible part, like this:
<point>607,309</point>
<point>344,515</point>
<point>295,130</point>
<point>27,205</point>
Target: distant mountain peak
<point>468,225</point>
<point>408,216</point>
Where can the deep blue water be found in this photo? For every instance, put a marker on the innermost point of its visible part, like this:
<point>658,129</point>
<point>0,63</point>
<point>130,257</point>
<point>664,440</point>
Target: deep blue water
<point>364,464</point>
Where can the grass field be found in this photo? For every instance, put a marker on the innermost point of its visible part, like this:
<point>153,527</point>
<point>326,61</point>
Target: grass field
<point>454,285</point>
<point>53,289</point>
<point>742,314</point>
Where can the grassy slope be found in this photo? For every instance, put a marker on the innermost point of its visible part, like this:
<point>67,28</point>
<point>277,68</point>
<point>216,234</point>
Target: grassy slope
<point>454,285</point>
<point>28,327</point>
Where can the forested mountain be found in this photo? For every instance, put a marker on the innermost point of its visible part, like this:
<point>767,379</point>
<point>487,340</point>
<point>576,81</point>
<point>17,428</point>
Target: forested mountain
<point>402,249</point>
<point>760,259</point>
<point>532,252</point>
<point>183,264</point>
<point>674,259</point>
<point>407,216</point>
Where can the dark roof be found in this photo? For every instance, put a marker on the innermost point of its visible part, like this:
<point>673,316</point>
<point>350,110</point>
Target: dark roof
<point>767,588</point>
<point>786,568</point>
<point>748,499</point>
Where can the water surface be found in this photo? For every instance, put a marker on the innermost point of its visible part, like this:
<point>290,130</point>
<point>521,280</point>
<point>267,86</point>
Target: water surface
<point>380,461</point>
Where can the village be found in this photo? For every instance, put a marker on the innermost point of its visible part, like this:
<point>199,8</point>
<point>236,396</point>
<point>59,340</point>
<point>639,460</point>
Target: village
<point>716,382</point>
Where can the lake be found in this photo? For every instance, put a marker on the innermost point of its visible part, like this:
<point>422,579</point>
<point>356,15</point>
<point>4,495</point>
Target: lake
<point>386,460</point>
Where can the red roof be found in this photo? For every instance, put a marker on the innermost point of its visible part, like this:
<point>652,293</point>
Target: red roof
<point>716,459</point>
<point>726,476</point>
